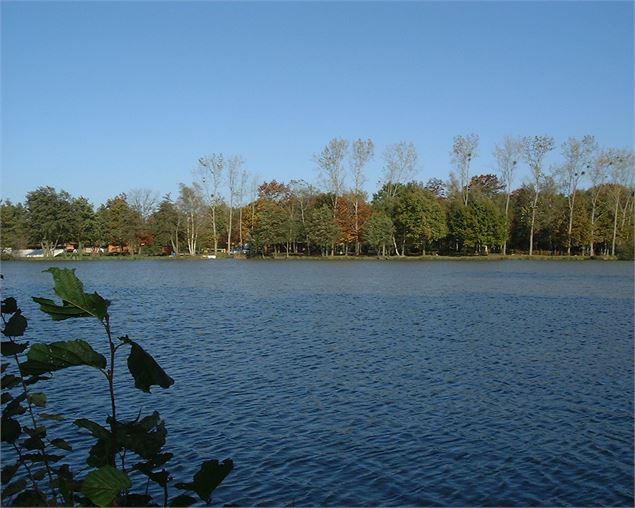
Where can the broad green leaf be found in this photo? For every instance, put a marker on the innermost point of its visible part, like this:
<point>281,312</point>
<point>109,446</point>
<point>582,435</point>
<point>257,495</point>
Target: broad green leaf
<point>14,488</point>
<point>6,397</point>
<point>100,454</point>
<point>38,399</point>
<point>147,468</point>
<point>8,472</point>
<point>48,416</point>
<point>14,408</point>
<point>10,348</point>
<point>59,312</point>
<point>161,478</point>
<point>145,370</point>
<point>104,484</point>
<point>39,475</point>
<point>183,500</point>
<point>30,498</point>
<point>156,461</point>
<point>209,476</point>
<point>9,305</point>
<point>8,381</point>
<point>95,429</point>
<point>37,457</point>
<point>33,443</point>
<point>11,430</point>
<point>63,484</point>
<point>76,303</point>
<point>63,445</point>
<point>39,431</point>
<point>43,358</point>
<point>145,437</point>
<point>15,326</point>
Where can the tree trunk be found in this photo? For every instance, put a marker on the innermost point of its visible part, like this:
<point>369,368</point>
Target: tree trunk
<point>214,229</point>
<point>506,223</point>
<point>394,241</point>
<point>229,230</point>
<point>617,203</point>
<point>240,227</point>
<point>357,243</point>
<point>570,229</point>
<point>591,243</point>
<point>533,221</point>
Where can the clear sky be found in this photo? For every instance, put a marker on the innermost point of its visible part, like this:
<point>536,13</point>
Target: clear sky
<point>102,97</point>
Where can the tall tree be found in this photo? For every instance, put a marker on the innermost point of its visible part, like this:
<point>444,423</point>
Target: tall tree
<point>304,194</point>
<point>597,176</point>
<point>322,228</point>
<point>234,168</point>
<point>210,172</point>
<point>621,167</point>
<point>49,214</point>
<point>82,223</point>
<point>240,197</point>
<point>330,165</point>
<point>506,155</point>
<point>534,151</point>
<point>13,226</point>
<point>362,153</point>
<point>270,227</point>
<point>143,202</point>
<point>420,216</point>
<point>191,203</point>
<point>464,150</point>
<point>400,166</point>
<point>578,154</point>
<point>479,226</point>
<point>379,231</point>
<point>119,222</point>
<point>166,224</point>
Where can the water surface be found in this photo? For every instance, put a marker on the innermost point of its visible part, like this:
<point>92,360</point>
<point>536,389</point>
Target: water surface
<point>374,383</point>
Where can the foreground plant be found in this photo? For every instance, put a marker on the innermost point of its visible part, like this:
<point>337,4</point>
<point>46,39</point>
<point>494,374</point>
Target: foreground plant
<point>124,452</point>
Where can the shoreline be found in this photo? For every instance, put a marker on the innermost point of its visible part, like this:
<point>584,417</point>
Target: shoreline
<point>422,259</point>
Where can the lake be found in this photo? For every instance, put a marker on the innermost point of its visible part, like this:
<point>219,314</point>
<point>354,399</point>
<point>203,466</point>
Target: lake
<point>371,383</point>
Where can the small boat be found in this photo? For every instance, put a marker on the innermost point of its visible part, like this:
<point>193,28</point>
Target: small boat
<point>211,256</point>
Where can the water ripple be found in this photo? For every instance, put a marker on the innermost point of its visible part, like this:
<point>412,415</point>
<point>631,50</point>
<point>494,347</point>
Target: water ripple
<point>444,384</point>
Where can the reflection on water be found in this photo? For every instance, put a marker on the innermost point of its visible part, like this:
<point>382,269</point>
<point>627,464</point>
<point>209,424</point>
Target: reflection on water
<point>370,383</point>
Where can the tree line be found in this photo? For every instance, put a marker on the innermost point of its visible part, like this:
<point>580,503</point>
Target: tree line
<point>582,205</point>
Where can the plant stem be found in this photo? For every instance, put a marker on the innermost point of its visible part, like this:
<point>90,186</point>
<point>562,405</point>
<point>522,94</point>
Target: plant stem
<point>28,469</point>
<point>30,406</point>
<point>111,387</point>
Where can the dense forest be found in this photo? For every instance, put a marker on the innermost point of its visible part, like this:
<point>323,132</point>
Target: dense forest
<point>583,205</point>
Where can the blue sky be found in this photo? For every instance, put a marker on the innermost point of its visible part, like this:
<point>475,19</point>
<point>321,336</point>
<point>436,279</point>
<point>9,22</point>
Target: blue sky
<point>102,97</point>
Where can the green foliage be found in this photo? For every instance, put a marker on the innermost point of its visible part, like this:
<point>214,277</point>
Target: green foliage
<point>479,226</point>
<point>14,226</point>
<point>40,477</point>
<point>102,485</point>
<point>145,370</point>
<point>419,215</point>
<point>210,476</point>
<point>43,358</point>
<point>49,215</point>
<point>322,228</point>
<point>379,231</point>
